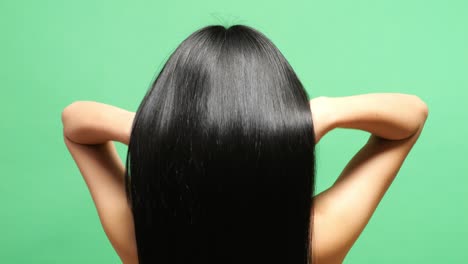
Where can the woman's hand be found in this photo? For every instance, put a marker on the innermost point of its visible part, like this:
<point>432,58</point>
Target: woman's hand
<point>89,122</point>
<point>322,117</point>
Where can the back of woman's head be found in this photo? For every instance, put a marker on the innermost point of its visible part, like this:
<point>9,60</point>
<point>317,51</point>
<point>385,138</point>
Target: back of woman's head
<point>221,159</point>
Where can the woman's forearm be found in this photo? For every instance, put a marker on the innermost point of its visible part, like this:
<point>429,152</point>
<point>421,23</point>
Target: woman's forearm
<point>388,115</point>
<point>89,122</point>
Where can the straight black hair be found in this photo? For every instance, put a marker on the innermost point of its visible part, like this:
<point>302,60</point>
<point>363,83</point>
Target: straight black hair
<point>221,159</point>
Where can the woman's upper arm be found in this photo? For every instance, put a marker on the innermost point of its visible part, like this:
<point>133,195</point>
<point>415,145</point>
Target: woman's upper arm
<point>342,211</point>
<point>103,172</point>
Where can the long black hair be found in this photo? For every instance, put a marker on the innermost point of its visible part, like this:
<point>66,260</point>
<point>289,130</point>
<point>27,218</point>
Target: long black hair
<point>221,159</point>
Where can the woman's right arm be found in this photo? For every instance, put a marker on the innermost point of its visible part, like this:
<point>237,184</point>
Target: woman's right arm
<point>341,212</point>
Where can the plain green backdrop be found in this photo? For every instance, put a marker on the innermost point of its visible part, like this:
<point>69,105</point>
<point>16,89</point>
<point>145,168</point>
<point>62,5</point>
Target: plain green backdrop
<point>55,52</point>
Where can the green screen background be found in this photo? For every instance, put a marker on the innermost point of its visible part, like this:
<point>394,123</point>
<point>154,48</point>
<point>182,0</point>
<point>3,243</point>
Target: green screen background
<point>56,52</point>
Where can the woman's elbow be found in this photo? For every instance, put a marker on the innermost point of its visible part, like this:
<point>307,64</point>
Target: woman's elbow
<point>424,109</point>
<point>420,107</point>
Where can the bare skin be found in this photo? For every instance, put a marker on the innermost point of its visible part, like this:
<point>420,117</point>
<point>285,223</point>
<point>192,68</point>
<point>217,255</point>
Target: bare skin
<point>393,120</point>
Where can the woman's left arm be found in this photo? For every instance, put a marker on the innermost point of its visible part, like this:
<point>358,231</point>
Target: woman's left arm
<point>89,129</point>
<point>90,123</point>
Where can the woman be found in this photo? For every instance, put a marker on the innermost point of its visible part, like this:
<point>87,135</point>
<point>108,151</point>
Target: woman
<point>221,158</point>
